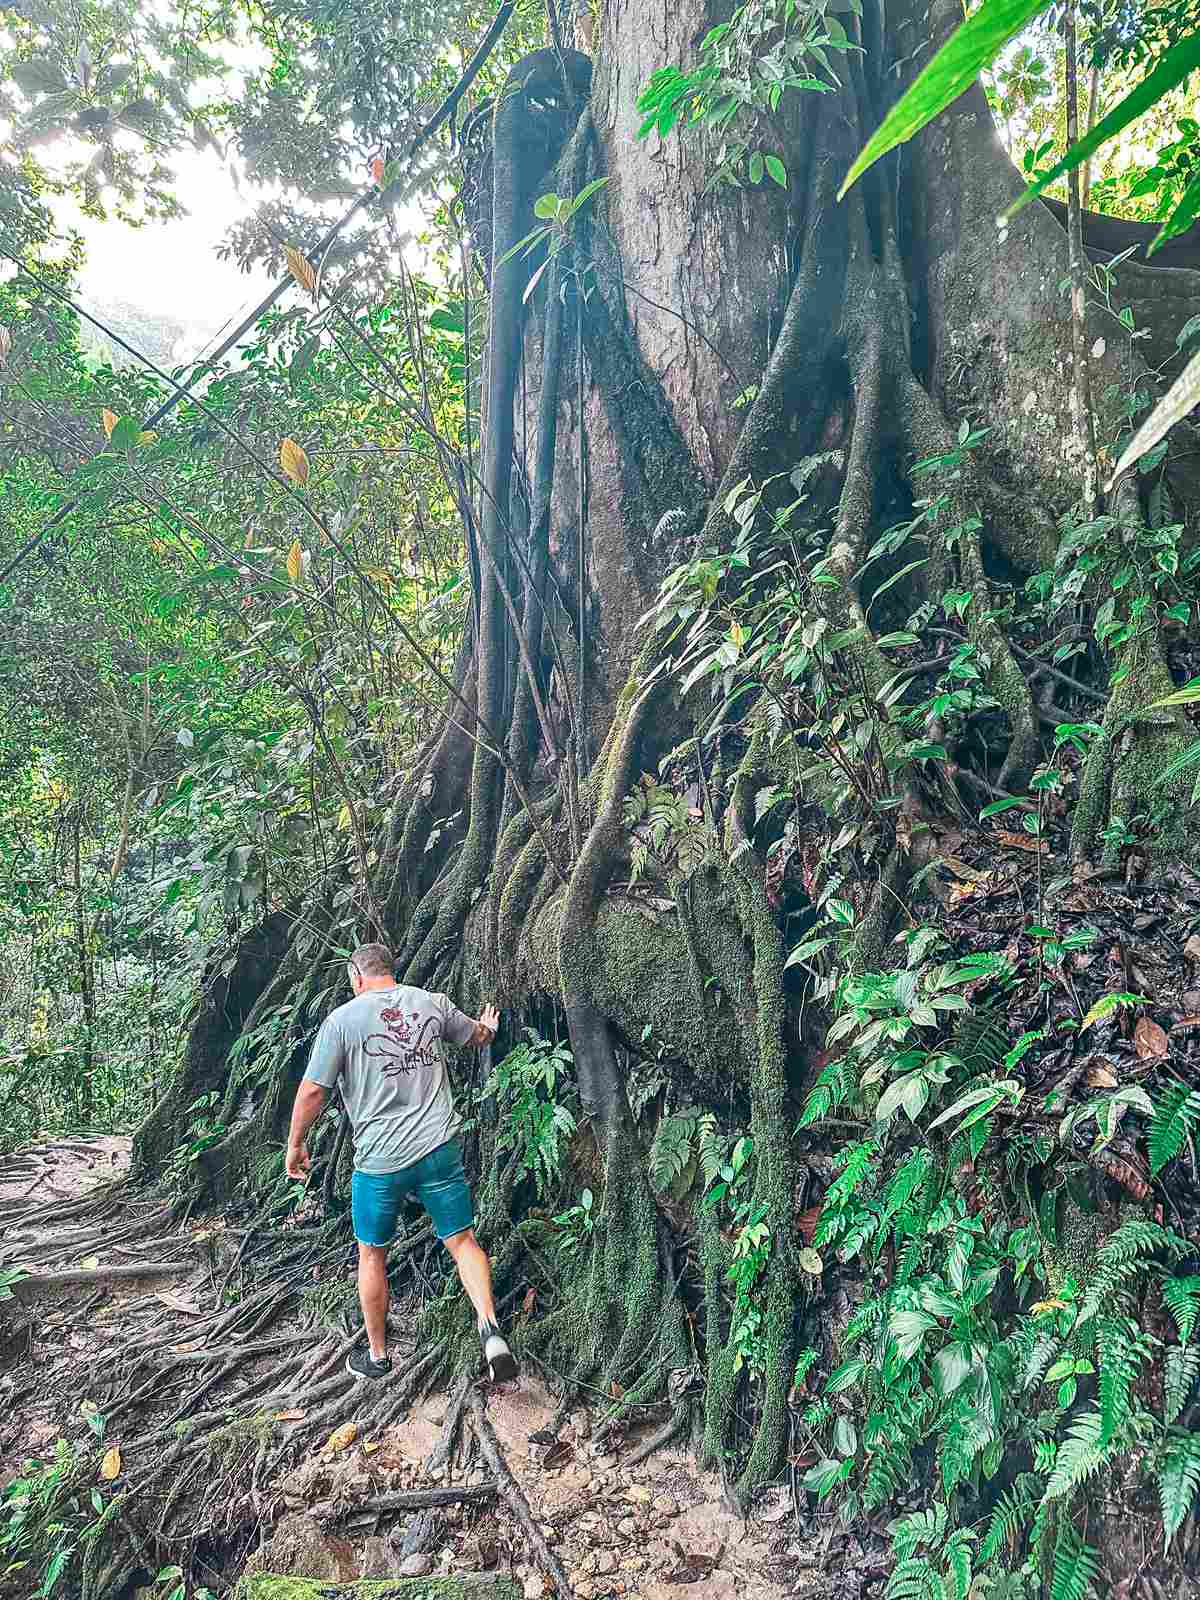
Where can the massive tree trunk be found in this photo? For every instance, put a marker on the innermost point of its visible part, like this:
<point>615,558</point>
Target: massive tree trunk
<point>682,342</point>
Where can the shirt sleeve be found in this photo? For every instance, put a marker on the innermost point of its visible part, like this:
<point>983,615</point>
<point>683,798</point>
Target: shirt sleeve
<point>455,1026</point>
<point>328,1055</point>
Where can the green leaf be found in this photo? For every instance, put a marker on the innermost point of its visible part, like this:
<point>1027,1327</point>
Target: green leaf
<point>1178,1475</point>
<point>546,206</point>
<point>777,170</point>
<point>756,167</point>
<point>1179,62</point>
<point>952,1367</point>
<point>125,435</point>
<point>1180,398</point>
<point>972,46</point>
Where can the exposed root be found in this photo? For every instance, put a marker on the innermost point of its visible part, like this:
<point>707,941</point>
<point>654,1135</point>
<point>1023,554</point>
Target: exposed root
<point>513,1496</point>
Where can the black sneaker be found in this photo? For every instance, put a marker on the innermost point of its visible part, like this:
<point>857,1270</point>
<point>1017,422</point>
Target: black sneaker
<point>361,1364</point>
<point>501,1363</point>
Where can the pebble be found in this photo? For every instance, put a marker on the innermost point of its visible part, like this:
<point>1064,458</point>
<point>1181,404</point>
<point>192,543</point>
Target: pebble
<point>638,1493</point>
<point>627,1527</point>
<point>605,1562</point>
<point>664,1506</point>
<point>418,1566</point>
<point>533,1588</point>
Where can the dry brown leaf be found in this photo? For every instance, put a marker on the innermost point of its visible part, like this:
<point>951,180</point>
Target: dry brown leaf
<point>1149,1040</point>
<point>111,1465</point>
<point>108,421</point>
<point>293,461</point>
<point>177,1302</point>
<point>370,1449</point>
<point>290,1416</point>
<point>1021,841</point>
<point>1099,1077</point>
<point>806,1222</point>
<point>342,1438</point>
<point>301,269</point>
<point>187,1348</point>
<point>294,561</point>
<point>530,1300</point>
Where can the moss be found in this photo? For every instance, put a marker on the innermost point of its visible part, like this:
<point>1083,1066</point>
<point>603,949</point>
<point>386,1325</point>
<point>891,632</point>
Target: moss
<point>269,1586</point>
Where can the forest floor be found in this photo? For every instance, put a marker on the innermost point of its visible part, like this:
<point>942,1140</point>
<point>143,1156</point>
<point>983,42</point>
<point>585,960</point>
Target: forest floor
<point>658,1531</point>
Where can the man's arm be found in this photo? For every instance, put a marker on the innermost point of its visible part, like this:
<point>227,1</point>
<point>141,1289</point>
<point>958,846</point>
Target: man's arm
<point>464,1031</point>
<point>310,1101</point>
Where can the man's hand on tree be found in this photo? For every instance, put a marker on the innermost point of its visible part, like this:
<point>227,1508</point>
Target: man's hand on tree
<point>487,1026</point>
<point>298,1162</point>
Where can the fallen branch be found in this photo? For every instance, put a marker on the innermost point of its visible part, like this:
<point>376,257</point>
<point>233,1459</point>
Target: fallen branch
<point>39,1282</point>
<point>510,1491</point>
<point>406,1500</point>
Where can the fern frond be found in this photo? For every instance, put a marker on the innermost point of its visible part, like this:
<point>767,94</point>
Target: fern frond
<point>1010,1515</point>
<point>1181,1296</point>
<point>857,1166</point>
<point>916,1579</point>
<point>981,1040</point>
<point>959,1567</point>
<point>1176,1115</point>
<point>1120,1350</point>
<point>1139,1237</point>
<point>909,1533</point>
<point>832,1089</point>
<point>911,1175</point>
<point>1079,1455</point>
<point>1109,1282</point>
<point>1037,1359</point>
<point>1075,1566</point>
<point>1177,1472</point>
<point>1182,1366</point>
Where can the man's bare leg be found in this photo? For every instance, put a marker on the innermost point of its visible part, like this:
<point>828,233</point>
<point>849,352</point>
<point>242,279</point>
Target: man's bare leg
<point>373,1296</point>
<point>475,1273</point>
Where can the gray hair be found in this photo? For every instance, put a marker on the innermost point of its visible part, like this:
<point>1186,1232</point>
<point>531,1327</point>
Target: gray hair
<point>373,961</point>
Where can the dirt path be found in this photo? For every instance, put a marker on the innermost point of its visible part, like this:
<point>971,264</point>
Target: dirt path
<point>91,1336</point>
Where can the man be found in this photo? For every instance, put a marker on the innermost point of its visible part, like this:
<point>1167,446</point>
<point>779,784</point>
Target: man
<point>384,1049</point>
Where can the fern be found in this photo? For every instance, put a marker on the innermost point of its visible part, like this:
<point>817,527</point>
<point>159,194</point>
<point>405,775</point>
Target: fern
<point>916,1579</point>
<point>832,1089</point>
<point>1010,1516</point>
<point>684,1136</point>
<point>1075,1566</point>
<point>1139,1237</point>
<point>959,1568</point>
<point>1108,1284</point>
<point>1175,1117</point>
<point>1182,1299</point>
<point>1037,1359</point>
<point>909,1533</point>
<point>1178,1474</point>
<point>1120,1351</point>
<point>1182,1365</point>
<point>905,1184</point>
<point>857,1167</point>
<point>981,1040</point>
<point>1079,1455</point>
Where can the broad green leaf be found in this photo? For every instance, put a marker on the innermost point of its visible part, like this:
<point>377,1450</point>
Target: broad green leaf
<point>125,435</point>
<point>1180,60</point>
<point>1182,217</point>
<point>973,46</point>
<point>777,170</point>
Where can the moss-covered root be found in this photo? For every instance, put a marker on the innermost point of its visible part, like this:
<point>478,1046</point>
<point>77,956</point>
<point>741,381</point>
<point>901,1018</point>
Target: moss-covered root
<point>1127,770</point>
<point>621,1321</point>
<point>270,1586</point>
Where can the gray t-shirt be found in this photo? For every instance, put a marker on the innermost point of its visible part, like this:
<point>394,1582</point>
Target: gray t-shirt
<point>384,1049</point>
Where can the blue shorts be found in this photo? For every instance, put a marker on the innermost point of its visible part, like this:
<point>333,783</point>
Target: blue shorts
<point>438,1182</point>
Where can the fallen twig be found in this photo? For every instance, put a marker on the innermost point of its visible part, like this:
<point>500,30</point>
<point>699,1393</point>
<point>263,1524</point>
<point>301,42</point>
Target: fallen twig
<point>406,1500</point>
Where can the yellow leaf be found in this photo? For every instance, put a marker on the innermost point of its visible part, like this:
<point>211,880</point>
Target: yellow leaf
<point>295,555</point>
<point>147,436</point>
<point>109,420</point>
<point>342,1438</point>
<point>378,575</point>
<point>370,1449</point>
<point>90,1263</point>
<point>111,1464</point>
<point>293,461</point>
<point>1041,1307</point>
<point>290,1416</point>
<point>301,269</point>
<point>344,817</point>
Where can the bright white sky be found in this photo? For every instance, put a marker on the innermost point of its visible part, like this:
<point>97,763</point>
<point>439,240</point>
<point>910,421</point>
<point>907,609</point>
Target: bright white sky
<point>172,267</point>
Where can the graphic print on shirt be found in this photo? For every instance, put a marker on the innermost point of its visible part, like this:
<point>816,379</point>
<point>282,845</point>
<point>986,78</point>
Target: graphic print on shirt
<point>397,1051</point>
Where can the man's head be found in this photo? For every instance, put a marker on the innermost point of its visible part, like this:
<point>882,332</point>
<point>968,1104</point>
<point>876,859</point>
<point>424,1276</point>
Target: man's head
<point>371,967</point>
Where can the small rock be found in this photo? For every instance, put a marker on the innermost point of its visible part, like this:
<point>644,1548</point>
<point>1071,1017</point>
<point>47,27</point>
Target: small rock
<point>533,1588</point>
<point>638,1493</point>
<point>627,1527</point>
<point>605,1562</point>
<point>664,1506</point>
<point>417,1566</point>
